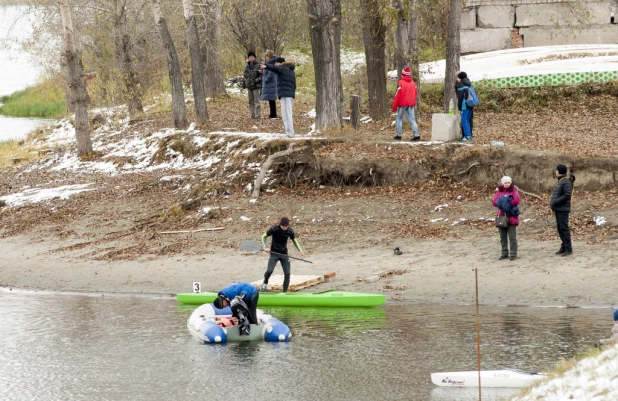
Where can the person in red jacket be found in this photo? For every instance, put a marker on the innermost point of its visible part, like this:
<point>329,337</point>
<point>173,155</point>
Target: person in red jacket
<point>404,102</point>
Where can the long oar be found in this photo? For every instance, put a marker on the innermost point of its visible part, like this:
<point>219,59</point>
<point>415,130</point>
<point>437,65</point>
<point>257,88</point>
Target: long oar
<point>252,246</point>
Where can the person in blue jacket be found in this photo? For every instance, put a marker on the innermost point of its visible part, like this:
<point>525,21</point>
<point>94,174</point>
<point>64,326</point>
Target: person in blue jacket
<point>269,84</point>
<point>467,112</point>
<point>243,291</point>
<point>286,90</point>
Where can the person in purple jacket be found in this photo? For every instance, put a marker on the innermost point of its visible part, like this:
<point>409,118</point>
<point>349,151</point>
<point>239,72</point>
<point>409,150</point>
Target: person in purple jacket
<point>507,199</point>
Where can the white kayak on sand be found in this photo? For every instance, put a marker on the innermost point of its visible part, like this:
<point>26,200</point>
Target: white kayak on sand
<point>489,378</point>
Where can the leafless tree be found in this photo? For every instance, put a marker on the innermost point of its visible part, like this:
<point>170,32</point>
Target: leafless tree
<point>413,40</point>
<point>211,12</point>
<point>374,36</point>
<point>179,112</point>
<point>197,70</point>
<point>124,59</point>
<point>261,25</point>
<point>76,85</point>
<point>325,24</point>
<point>453,52</point>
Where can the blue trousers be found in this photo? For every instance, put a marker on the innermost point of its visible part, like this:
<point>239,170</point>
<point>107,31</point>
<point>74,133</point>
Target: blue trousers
<point>465,123</point>
<point>410,112</point>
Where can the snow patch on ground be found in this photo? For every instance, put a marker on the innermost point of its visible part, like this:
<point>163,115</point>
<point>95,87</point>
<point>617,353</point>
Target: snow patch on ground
<point>527,61</point>
<point>592,379</point>
<point>36,195</point>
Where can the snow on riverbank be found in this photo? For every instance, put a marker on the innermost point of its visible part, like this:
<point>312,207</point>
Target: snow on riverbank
<point>36,195</point>
<point>527,61</point>
<point>592,379</point>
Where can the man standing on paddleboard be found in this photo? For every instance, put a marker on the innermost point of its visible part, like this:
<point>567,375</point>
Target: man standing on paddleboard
<point>279,251</point>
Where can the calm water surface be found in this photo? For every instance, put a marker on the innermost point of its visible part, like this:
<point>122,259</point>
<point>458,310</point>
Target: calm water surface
<point>74,347</point>
<point>18,70</point>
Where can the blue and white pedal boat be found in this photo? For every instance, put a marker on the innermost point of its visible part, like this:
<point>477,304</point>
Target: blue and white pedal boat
<point>205,324</point>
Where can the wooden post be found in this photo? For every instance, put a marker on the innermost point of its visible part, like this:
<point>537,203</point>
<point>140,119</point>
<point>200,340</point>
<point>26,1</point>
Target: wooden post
<point>355,106</point>
<point>478,329</point>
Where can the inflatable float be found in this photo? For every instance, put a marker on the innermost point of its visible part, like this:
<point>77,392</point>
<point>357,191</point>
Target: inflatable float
<point>217,326</point>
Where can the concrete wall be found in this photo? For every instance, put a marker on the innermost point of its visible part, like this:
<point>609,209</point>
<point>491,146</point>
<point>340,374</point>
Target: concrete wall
<point>496,17</point>
<point>563,14</point>
<point>468,18</point>
<point>536,23</point>
<point>549,36</point>
<point>485,40</point>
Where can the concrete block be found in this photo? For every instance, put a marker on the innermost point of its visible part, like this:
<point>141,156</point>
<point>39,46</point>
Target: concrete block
<point>445,127</point>
<point>485,40</point>
<point>496,17</point>
<point>572,13</point>
<point>468,18</point>
<point>547,36</point>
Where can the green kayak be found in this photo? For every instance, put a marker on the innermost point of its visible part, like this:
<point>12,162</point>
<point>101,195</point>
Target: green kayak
<point>326,298</point>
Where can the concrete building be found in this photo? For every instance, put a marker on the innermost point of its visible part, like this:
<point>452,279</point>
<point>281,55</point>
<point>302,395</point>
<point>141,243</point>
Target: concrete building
<point>488,25</point>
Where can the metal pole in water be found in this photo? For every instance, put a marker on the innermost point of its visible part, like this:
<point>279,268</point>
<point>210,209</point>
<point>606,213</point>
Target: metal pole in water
<point>478,329</point>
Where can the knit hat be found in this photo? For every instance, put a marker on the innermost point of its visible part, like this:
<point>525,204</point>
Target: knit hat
<point>284,221</point>
<point>561,168</point>
<point>406,71</point>
<point>251,53</point>
<point>218,303</point>
<point>462,75</point>
<point>616,315</point>
<point>506,179</point>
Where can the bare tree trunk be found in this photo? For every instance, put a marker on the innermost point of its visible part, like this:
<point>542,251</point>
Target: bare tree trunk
<point>374,35</point>
<point>75,79</point>
<point>413,52</point>
<point>179,112</point>
<point>197,70</point>
<point>453,51</point>
<point>402,46</point>
<point>124,61</point>
<point>212,12</point>
<point>325,24</point>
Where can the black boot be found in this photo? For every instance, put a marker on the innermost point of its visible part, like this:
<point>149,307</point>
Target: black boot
<point>561,251</point>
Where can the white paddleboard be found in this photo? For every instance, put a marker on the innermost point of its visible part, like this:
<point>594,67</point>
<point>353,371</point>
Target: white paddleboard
<point>489,378</point>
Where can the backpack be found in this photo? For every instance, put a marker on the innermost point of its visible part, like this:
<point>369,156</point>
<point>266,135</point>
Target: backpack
<point>473,99</point>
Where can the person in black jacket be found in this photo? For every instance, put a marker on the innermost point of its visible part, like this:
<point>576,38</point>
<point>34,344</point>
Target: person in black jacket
<point>279,249</point>
<point>286,90</point>
<point>560,203</point>
<point>253,83</point>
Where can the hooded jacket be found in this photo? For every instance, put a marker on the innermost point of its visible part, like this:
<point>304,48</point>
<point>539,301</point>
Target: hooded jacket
<point>239,289</point>
<point>514,200</point>
<point>269,83</point>
<point>286,79</point>
<point>406,93</point>
<point>561,196</point>
<point>461,89</point>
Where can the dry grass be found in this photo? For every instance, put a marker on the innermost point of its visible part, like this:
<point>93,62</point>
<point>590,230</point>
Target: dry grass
<point>12,152</point>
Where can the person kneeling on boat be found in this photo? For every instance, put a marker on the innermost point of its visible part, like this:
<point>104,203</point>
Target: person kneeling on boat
<point>243,299</point>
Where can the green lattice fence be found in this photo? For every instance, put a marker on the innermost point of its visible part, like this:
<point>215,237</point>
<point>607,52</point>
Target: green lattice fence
<point>567,78</point>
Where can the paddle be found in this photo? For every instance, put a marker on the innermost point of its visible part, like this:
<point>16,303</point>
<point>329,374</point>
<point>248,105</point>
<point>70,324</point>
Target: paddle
<point>252,246</point>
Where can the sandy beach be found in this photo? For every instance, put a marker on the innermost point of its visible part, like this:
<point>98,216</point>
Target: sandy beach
<point>428,271</point>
